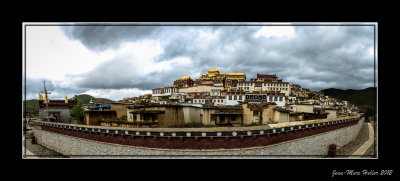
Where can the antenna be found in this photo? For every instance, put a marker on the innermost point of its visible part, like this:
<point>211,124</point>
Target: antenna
<point>46,99</point>
<point>44,88</point>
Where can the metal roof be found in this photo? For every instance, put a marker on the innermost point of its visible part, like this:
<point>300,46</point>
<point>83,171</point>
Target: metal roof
<point>103,106</point>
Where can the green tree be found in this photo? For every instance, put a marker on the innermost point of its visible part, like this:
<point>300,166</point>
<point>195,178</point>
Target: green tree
<point>77,112</point>
<point>311,95</point>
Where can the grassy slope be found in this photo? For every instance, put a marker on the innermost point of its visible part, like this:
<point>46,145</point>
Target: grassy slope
<point>364,99</point>
<point>32,106</point>
<point>86,99</point>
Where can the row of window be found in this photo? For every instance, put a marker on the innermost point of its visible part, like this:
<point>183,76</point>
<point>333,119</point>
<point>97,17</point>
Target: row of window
<point>203,101</point>
<point>162,91</point>
<point>265,84</point>
<point>247,88</point>
<point>279,89</point>
<point>271,98</point>
<point>234,97</point>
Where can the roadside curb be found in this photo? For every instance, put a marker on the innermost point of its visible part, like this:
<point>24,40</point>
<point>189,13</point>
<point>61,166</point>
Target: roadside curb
<point>363,148</point>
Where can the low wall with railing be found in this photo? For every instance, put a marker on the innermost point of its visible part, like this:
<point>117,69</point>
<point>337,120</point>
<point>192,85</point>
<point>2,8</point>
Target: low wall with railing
<point>303,138</point>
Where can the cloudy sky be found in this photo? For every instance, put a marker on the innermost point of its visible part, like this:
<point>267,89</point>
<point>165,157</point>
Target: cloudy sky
<point>122,60</point>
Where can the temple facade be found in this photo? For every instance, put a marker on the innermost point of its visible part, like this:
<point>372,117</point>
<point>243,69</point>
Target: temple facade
<point>216,78</point>
<point>185,81</point>
<point>265,82</point>
<point>58,110</point>
<point>232,79</point>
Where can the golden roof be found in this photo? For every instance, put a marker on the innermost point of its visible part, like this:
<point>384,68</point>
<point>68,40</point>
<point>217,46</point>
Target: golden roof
<point>185,77</point>
<point>214,70</point>
<point>236,73</point>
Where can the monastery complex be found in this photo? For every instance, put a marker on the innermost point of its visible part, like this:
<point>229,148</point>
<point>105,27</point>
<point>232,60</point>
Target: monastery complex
<point>218,112</point>
<point>215,99</point>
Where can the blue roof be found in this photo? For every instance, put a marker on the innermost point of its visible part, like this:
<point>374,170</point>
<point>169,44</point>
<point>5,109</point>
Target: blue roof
<point>102,106</point>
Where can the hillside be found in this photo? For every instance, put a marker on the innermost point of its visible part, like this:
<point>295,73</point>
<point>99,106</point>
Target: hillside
<point>85,98</point>
<point>32,106</point>
<point>364,99</point>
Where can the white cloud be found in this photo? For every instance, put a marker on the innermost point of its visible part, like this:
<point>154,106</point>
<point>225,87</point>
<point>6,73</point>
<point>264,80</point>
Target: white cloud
<point>51,55</point>
<point>277,31</point>
<point>140,55</point>
<point>371,51</point>
<point>115,94</point>
<point>168,65</point>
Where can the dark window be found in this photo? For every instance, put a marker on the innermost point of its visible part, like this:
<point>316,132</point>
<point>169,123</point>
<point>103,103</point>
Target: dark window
<point>221,119</point>
<point>255,113</point>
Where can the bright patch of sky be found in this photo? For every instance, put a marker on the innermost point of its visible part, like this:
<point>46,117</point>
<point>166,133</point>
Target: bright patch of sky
<point>51,55</point>
<point>275,31</point>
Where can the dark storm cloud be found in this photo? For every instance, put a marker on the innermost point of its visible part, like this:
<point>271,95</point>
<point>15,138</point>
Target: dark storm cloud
<point>34,86</point>
<point>120,72</point>
<point>316,57</point>
<point>100,38</point>
<point>336,54</point>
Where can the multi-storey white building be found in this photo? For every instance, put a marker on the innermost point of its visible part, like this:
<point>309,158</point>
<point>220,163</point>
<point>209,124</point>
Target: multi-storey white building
<point>159,93</point>
<point>164,91</point>
<point>216,100</point>
<point>249,86</point>
<point>178,97</point>
<point>233,98</point>
<point>265,83</point>
<point>215,92</point>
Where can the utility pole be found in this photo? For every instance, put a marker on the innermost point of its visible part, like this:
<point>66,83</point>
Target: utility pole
<point>46,100</point>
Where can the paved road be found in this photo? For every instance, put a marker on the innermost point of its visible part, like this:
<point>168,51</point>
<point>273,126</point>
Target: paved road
<point>36,150</point>
<point>361,139</point>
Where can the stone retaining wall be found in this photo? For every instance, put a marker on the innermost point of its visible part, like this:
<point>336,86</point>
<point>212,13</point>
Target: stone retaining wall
<point>315,145</point>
